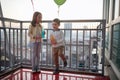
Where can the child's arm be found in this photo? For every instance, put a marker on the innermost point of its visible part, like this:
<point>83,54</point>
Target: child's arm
<point>30,31</point>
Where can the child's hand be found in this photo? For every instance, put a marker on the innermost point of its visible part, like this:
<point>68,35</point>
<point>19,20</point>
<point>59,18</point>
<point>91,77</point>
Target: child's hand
<point>53,42</point>
<point>38,37</point>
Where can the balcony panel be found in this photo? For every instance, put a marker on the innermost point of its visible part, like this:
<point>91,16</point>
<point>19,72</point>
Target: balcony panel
<point>84,46</point>
<point>26,74</point>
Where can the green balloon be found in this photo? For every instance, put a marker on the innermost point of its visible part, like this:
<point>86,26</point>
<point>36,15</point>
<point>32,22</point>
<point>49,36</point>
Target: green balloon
<point>59,2</point>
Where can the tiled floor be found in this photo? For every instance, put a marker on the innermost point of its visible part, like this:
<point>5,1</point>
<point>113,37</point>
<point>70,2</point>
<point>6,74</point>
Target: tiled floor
<point>26,74</point>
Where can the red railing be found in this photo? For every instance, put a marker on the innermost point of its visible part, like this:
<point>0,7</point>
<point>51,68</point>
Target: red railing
<point>26,74</point>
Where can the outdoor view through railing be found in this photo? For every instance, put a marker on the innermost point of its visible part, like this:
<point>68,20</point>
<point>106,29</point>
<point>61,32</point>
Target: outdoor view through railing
<point>84,45</point>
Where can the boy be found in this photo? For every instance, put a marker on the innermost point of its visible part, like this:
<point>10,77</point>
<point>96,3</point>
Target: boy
<point>57,41</point>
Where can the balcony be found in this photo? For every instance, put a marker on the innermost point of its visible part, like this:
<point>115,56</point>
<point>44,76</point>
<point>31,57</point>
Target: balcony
<point>84,50</point>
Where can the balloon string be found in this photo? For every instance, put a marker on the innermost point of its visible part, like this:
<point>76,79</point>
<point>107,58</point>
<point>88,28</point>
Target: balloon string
<point>32,5</point>
<point>58,10</point>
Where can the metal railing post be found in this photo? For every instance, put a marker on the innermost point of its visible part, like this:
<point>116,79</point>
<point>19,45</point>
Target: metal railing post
<point>21,57</point>
<point>103,46</point>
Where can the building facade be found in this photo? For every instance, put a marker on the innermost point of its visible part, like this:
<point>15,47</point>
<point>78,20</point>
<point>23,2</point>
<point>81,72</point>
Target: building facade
<point>111,12</point>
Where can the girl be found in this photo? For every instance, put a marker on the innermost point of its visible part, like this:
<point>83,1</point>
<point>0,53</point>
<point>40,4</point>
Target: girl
<point>35,34</point>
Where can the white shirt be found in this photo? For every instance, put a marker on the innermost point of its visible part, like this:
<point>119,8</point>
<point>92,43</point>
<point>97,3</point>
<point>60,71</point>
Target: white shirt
<point>59,37</point>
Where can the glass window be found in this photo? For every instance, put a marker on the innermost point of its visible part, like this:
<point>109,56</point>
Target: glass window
<point>113,9</point>
<point>107,38</point>
<point>107,10</point>
<point>119,8</point>
<point>116,13</point>
<point>115,55</point>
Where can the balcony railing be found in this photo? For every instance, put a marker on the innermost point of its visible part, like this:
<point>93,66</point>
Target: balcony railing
<point>84,45</point>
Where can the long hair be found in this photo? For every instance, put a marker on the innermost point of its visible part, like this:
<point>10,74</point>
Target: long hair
<point>33,22</point>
